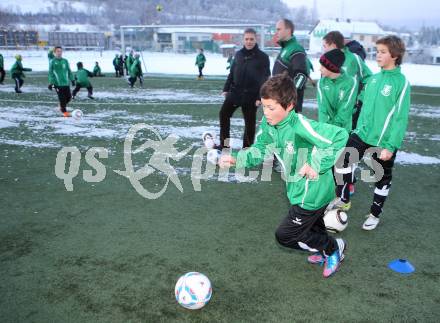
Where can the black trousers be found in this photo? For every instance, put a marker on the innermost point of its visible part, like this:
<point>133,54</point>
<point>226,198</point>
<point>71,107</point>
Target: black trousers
<point>344,167</point>
<point>78,87</point>
<point>64,96</point>
<point>299,101</point>
<point>250,117</point>
<point>18,83</point>
<point>201,71</point>
<point>2,75</point>
<point>132,80</point>
<point>117,72</point>
<point>305,230</point>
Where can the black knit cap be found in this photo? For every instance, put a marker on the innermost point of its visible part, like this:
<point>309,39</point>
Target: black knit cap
<point>333,60</point>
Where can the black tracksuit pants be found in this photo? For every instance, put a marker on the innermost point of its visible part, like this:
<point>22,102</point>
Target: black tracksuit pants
<point>18,83</point>
<point>305,230</point>
<point>64,96</point>
<point>78,87</point>
<point>2,75</point>
<point>344,167</point>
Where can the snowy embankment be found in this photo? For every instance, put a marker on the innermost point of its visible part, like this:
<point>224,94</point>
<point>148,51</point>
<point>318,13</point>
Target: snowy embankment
<point>171,63</point>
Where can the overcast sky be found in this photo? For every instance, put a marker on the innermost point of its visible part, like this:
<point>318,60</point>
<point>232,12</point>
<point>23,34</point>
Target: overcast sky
<point>411,13</point>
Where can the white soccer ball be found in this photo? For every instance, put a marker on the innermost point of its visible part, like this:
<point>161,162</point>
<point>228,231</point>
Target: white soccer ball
<point>335,220</point>
<point>77,114</point>
<point>193,290</point>
<point>213,156</point>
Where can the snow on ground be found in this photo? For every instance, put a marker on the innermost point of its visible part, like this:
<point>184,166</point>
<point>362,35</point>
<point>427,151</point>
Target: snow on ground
<point>184,64</point>
<point>48,131</point>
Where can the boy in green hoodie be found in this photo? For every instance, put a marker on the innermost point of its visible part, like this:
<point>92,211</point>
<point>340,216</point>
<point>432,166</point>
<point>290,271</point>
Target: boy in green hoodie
<point>380,129</point>
<point>307,151</point>
<point>17,73</point>
<point>60,77</point>
<point>337,91</point>
<point>82,80</point>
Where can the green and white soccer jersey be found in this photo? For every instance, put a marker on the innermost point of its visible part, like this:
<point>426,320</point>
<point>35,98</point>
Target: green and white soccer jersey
<point>336,100</point>
<point>384,115</point>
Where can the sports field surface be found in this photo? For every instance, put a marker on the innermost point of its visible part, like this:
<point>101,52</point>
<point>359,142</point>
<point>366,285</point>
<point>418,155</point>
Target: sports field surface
<point>104,253</point>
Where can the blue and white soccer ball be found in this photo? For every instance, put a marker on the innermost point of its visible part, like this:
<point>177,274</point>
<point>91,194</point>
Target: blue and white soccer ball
<point>335,220</point>
<point>193,290</point>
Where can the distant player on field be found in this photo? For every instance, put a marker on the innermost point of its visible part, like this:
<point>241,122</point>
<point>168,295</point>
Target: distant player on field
<point>60,77</point>
<point>82,80</point>
<point>17,73</point>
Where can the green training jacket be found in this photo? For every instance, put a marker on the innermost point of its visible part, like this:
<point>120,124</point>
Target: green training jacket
<point>295,141</point>
<point>384,116</point>
<point>17,70</point>
<point>336,100</point>
<point>82,77</point>
<point>200,60</point>
<point>59,72</point>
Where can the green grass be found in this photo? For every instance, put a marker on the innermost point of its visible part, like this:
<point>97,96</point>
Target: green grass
<point>103,253</point>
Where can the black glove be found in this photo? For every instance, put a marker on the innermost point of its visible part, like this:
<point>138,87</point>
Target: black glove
<point>50,87</point>
<point>73,83</point>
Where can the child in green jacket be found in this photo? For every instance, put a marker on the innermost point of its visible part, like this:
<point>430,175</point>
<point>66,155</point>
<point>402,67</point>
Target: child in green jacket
<point>380,129</point>
<point>337,91</point>
<point>200,62</point>
<point>17,73</point>
<point>307,151</point>
<point>82,80</point>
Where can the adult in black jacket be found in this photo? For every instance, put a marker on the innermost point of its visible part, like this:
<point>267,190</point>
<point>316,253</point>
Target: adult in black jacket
<point>250,70</point>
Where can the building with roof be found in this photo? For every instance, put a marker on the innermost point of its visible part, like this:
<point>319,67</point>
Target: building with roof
<point>365,32</point>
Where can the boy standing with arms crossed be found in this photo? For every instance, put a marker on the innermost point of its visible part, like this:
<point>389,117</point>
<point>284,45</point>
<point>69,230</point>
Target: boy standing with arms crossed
<point>307,151</point>
<point>381,126</point>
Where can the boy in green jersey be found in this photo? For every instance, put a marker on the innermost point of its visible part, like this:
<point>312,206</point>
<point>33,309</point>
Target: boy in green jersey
<point>17,73</point>
<point>337,91</point>
<point>60,78</point>
<point>380,129</point>
<point>82,80</point>
<point>307,151</point>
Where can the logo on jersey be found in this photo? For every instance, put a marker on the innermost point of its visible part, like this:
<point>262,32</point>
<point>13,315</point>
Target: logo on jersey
<point>289,147</point>
<point>341,95</point>
<point>386,91</point>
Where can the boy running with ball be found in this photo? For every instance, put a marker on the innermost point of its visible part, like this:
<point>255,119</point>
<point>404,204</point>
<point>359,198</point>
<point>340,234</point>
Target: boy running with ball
<point>307,151</point>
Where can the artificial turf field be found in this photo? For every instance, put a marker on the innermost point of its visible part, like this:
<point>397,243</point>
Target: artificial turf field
<point>104,253</point>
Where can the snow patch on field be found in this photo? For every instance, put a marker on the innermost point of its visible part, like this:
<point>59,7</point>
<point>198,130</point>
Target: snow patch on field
<point>407,158</point>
